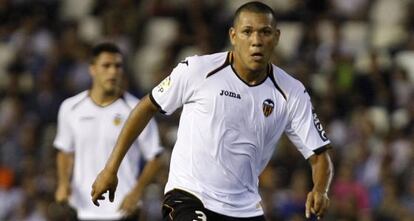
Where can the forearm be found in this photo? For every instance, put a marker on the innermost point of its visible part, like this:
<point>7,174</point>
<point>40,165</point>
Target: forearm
<point>135,124</point>
<point>64,162</point>
<point>322,172</point>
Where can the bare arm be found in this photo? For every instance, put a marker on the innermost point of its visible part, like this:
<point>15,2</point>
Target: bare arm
<point>64,162</point>
<point>135,124</point>
<point>129,203</point>
<point>322,171</point>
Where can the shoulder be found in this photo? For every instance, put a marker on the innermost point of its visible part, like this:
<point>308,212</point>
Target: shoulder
<point>71,102</point>
<point>206,63</point>
<point>290,86</point>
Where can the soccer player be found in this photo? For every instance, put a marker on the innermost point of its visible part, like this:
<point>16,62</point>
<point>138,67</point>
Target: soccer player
<point>236,105</point>
<point>88,126</point>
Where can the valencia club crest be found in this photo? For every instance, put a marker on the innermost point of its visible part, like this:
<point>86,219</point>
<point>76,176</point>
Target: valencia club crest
<point>268,106</point>
<point>117,120</point>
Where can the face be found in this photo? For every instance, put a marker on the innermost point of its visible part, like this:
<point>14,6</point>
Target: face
<point>253,38</point>
<point>106,72</point>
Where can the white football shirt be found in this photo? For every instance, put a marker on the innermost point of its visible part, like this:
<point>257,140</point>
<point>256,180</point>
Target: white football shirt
<point>228,129</point>
<point>90,132</point>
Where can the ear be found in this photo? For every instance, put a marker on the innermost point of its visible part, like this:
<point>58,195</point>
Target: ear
<point>277,36</point>
<point>232,35</point>
<point>92,70</point>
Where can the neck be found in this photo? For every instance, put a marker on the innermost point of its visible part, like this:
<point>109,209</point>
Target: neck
<point>103,98</point>
<point>252,77</point>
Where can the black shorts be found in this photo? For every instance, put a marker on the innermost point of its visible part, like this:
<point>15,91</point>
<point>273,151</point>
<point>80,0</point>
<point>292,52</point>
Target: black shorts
<point>134,217</point>
<point>180,205</point>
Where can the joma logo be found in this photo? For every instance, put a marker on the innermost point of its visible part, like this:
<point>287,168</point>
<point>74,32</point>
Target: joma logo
<point>230,94</point>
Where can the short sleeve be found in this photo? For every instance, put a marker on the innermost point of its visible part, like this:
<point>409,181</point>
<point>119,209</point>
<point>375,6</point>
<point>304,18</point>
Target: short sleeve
<point>175,90</point>
<point>64,134</point>
<point>149,141</point>
<point>304,128</point>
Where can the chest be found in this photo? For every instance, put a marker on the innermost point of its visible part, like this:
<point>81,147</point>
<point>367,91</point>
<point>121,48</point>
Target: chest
<point>257,108</point>
<point>91,122</point>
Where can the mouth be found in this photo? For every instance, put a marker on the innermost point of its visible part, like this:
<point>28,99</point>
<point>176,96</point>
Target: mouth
<point>257,56</point>
<point>112,81</point>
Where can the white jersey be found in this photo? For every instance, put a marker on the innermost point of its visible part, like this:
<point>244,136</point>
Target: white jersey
<point>228,130</point>
<point>90,132</point>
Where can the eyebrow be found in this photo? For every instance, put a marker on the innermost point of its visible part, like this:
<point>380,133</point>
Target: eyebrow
<point>263,27</point>
<point>112,63</point>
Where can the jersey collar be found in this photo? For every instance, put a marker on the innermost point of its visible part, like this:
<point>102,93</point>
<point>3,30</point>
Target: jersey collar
<point>269,70</point>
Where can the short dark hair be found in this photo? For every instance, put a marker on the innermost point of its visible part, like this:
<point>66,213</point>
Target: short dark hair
<point>257,7</point>
<point>103,47</point>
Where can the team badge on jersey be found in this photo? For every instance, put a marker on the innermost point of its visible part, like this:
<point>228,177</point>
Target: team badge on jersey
<point>268,106</point>
<point>117,120</point>
<point>164,85</point>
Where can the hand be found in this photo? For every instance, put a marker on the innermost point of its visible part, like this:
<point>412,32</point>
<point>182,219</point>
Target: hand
<point>62,193</point>
<point>129,205</point>
<point>316,203</point>
<point>105,181</point>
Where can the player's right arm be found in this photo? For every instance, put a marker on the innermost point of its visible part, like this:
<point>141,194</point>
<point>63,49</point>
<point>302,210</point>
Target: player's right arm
<point>65,155</point>
<point>64,162</point>
<point>138,119</point>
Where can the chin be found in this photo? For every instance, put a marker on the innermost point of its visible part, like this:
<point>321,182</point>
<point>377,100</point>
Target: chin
<point>110,91</point>
<point>258,67</point>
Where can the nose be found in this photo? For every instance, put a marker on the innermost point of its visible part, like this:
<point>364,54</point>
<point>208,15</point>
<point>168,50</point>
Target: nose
<point>114,70</point>
<point>256,40</point>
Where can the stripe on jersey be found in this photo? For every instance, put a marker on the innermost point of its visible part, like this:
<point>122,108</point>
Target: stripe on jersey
<point>155,103</point>
<point>322,149</point>
<point>226,62</point>
<point>124,100</point>
<point>272,78</point>
<point>75,105</point>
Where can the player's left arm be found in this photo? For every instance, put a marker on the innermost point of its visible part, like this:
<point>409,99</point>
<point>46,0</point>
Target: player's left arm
<point>151,168</point>
<point>317,200</point>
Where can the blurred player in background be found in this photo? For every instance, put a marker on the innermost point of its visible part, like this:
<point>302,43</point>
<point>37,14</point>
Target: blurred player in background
<point>236,105</point>
<point>88,126</point>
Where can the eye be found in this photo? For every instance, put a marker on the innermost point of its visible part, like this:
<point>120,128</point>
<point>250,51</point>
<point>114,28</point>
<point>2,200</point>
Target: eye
<point>267,32</point>
<point>247,31</point>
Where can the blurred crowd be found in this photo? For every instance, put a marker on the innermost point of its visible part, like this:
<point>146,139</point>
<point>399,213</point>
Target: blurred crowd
<point>356,57</point>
